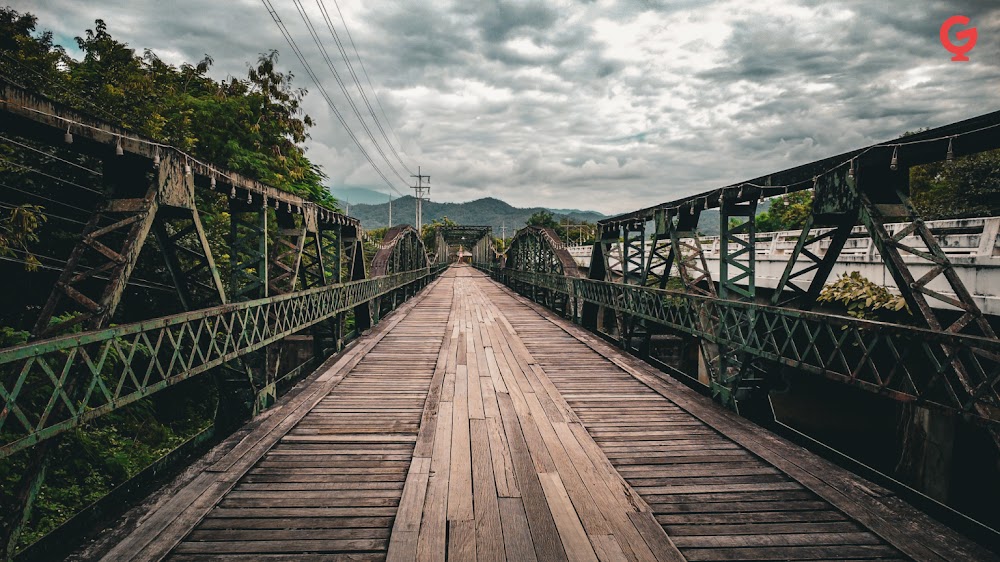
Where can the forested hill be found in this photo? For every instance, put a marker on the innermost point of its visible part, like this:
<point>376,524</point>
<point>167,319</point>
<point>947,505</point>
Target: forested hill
<point>486,212</point>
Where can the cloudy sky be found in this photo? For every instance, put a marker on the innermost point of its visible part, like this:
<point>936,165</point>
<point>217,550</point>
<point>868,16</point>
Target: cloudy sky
<point>604,104</point>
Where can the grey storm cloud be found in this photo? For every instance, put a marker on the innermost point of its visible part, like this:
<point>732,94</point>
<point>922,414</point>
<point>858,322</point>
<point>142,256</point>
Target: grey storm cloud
<point>603,104</point>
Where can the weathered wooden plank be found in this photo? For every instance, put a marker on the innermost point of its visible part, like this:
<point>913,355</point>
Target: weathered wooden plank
<point>574,538</point>
<point>433,528</point>
<point>489,536</point>
<point>462,540</point>
<point>544,534</point>
<point>403,543</point>
<point>460,478</point>
<point>516,535</point>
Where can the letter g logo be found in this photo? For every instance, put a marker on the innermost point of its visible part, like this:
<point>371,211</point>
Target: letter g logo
<point>970,35</point>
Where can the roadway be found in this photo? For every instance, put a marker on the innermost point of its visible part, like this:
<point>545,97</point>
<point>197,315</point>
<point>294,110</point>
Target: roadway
<point>471,424</point>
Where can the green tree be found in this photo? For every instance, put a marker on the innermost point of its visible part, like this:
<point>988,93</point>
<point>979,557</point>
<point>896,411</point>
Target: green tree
<point>787,212</point>
<point>253,125</point>
<point>18,231</point>
<point>863,298</point>
<point>965,187</point>
<point>544,219</point>
<point>428,231</point>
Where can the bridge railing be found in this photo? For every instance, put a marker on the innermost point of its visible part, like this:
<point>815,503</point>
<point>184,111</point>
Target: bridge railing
<point>120,365</point>
<point>905,363</point>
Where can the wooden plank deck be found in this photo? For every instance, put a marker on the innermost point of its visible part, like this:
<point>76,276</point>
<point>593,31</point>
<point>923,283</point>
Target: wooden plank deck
<point>473,425</point>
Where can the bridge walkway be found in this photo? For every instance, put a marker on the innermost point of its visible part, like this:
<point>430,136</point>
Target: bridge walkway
<point>473,425</point>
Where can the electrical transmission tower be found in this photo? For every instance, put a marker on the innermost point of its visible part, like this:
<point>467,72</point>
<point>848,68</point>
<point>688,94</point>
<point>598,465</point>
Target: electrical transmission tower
<point>421,189</point>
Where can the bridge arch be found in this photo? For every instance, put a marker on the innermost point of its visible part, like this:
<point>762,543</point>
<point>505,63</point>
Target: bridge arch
<point>540,250</point>
<point>477,240</point>
<point>401,251</point>
<point>540,254</point>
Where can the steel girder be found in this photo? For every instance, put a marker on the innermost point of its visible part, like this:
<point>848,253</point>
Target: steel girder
<point>117,366</point>
<point>402,250</point>
<point>538,249</point>
<point>905,363</point>
<point>151,189</point>
<point>477,239</point>
<point>869,186</point>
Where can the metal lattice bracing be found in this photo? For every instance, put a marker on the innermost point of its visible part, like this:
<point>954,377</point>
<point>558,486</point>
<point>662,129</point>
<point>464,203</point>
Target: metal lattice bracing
<point>477,241</point>
<point>402,250</point>
<point>295,267</point>
<point>540,250</point>
<point>949,360</point>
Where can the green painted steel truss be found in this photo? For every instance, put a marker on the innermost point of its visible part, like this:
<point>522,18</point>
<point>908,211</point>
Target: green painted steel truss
<point>905,363</point>
<point>120,365</point>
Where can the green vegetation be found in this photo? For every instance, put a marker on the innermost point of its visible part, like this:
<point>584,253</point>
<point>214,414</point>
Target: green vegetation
<point>481,212</point>
<point>253,125</point>
<point>786,212</point>
<point>965,187</point>
<point>427,231</point>
<point>19,231</point>
<point>863,298</point>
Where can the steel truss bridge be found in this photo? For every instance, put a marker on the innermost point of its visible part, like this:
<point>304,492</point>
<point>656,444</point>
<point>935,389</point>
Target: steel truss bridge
<point>439,413</point>
<point>477,240</point>
<point>943,360</point>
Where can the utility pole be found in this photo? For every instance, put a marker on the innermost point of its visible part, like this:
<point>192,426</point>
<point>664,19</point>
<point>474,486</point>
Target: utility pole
<point>503,233</point>
<point>390,210</point>
<point>420,189</point>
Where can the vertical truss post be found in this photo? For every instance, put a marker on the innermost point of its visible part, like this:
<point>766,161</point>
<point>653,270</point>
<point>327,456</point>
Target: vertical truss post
<point>286,255</point>
<point>692,268</point>
<point>183,242</point>
<point>284,261</point>
<point>239,381</point>
<point>738,385</point>
<point>356,259</point>
<point>633,258</point>
<point>315,273</point>
<point>884,195</point>
<point>835,206</point>
<point>737,267</point>
<point>600,269</point>
<point>660,260</point>
<point>333,248</point>
<point>248,243</point>
<point>111,243</point>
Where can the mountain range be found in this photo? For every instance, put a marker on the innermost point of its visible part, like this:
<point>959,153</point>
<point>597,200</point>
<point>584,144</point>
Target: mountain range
<point>485,212</point>
<point>372,208</point>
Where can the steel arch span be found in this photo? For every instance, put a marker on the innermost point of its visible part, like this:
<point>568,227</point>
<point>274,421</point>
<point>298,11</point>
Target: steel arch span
<point>449,241</point>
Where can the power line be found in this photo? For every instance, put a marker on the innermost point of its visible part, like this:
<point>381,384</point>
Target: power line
<point>312,75</point>
<point>53,156</point>
<point>357,81</point>
<point>46,213</point>
<point>58,179</point>
<point>343,87</point>
<point>363,69</point>
<point>44,198</point>
<point>60,265</point>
